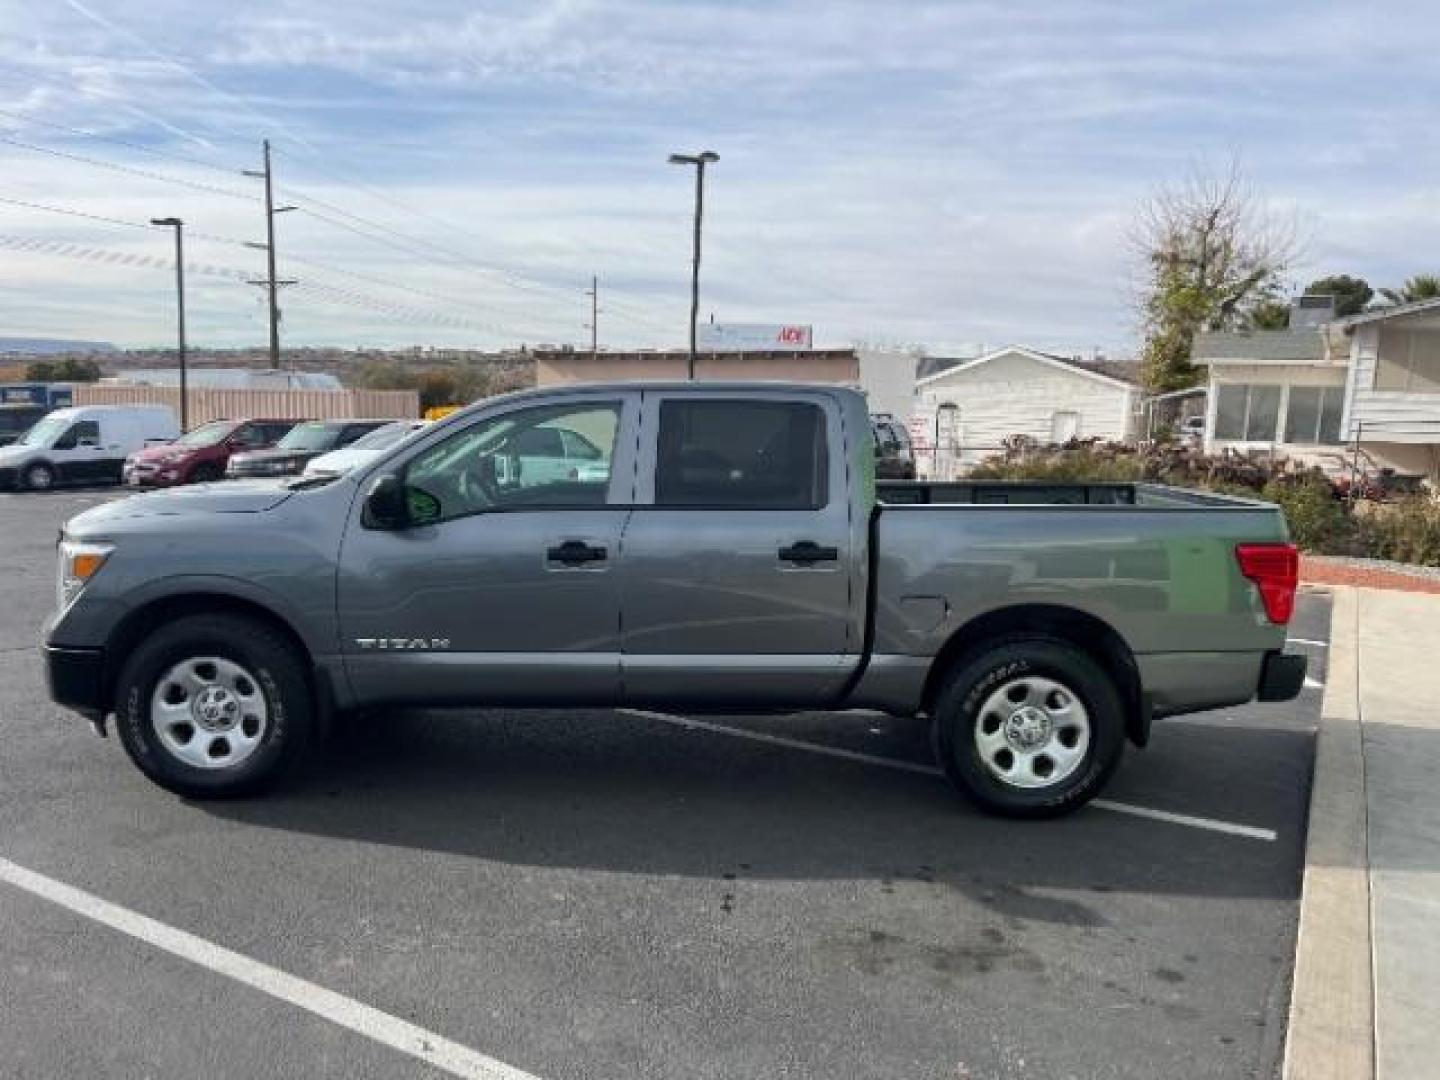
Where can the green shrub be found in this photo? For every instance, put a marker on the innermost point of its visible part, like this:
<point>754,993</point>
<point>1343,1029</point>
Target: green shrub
<point>1407,530</point>
<point>1319,522</point>
<point>1062,466</point>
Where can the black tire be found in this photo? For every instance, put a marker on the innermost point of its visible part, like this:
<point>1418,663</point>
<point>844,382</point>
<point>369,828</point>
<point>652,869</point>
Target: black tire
<point>280,677</point>
<point>39,476</point>
<point>207,472</point>
<point>1011,660</point>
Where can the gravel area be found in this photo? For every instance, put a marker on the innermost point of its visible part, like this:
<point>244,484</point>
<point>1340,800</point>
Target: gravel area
<point>1369,573</point>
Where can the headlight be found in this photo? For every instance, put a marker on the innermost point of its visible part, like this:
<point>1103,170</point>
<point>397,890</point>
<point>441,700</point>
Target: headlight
<point>79,563</point>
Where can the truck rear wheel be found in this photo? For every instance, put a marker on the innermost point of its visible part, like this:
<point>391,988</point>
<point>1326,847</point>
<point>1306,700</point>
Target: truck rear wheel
<point>214,706</point>
<point>1029,727</point>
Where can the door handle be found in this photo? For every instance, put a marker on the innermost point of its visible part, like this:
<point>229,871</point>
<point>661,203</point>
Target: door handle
<point>575,553</point>
<point>807,552</point>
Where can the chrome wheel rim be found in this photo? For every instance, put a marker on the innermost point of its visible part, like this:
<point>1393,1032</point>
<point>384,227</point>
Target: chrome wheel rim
<point>1032,732</point>
<point>209,712</point>
<point>38,477</point>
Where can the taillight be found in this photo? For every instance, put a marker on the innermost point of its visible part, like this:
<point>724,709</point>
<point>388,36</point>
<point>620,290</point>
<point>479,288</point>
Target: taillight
<point>1275,570</point>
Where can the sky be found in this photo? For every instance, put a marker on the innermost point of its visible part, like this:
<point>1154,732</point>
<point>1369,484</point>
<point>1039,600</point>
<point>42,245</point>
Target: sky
<point>946,174</point>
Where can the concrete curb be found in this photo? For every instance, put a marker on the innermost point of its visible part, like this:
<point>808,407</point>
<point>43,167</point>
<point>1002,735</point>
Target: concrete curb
<point>1331,1034</point>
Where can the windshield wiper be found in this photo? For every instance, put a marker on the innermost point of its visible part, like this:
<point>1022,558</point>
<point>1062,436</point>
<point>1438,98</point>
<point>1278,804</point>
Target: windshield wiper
<point>301,483</point>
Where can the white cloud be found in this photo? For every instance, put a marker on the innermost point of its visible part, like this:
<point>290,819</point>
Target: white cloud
<point>910,171</point>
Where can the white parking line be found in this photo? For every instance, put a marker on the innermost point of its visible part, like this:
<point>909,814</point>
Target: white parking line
<point>1249,831</point>
<point>362,1019</point>
<point>1212,824</point>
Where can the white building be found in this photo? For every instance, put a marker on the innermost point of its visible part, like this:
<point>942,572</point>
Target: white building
<point>977,405</point>
<point>229,378</point>
<point>1322,387</point>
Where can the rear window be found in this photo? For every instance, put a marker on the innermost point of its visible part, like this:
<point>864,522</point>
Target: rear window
<point>741,455</point>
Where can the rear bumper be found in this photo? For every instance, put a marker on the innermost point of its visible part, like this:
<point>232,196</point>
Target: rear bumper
<point>1281,677</point>
<point>1177,683</point>
<point>76,679</point>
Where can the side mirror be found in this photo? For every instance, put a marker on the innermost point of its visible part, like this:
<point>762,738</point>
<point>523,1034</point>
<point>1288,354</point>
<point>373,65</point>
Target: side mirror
<point>385,504</point>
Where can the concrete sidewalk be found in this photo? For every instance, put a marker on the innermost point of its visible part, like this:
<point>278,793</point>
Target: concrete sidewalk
<point>1367,969</point>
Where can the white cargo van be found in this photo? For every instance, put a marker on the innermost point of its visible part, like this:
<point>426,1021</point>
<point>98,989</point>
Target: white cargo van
<point>86,444</point>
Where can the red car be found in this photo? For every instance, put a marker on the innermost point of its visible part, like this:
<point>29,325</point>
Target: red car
<point>201,454</point>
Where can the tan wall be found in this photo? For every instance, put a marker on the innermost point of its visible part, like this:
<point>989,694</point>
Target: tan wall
<point>236,404</point>
<point>841,367</point>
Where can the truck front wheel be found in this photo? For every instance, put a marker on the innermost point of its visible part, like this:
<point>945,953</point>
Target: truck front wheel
<point>1029,727</point>
<point>214,706</point>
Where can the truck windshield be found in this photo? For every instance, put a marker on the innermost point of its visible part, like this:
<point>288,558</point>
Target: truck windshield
<point>310,437</point>
<point>206,434</point>
<point>45,432</point>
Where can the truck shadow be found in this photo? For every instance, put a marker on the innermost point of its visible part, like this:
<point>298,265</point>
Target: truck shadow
<point>593,790</point>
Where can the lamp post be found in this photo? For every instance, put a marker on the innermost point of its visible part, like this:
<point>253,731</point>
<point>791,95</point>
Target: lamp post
<point>179,227</point>
<point>700,160</point>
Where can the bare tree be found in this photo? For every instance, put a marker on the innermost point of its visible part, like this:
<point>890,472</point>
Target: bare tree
<point>1210,251</point>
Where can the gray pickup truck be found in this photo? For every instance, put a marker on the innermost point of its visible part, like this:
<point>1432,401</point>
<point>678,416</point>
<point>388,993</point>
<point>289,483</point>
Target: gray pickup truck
<point>701,547</point>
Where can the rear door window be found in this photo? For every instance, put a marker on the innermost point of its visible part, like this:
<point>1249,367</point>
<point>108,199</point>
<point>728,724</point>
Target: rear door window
<point>741,454</point>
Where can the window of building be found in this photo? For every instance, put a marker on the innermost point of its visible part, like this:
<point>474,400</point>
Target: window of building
<point>1408,360</point>
<point>1247,413</point>
<point>1313,415</point>
<point>741,454</point>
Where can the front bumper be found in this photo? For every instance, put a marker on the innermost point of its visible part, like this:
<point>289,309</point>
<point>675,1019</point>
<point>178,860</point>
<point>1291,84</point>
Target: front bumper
<point>76,679</point>
<point>1282,675</point>
<point>152,477</point>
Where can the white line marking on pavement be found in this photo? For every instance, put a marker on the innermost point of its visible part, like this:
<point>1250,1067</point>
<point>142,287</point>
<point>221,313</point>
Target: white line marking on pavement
<point>791,744</point>
<point>362,1019</point>
<point>1214,825</point>
<point>1311,642</point>
<point>1313,683</point>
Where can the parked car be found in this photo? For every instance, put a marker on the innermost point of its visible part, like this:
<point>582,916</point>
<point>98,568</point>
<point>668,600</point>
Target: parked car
<point>894,458</point>
<point>733,558</point>
<point>83,445</point>
<point>299,445</point>
<point>362,449</point>
<point>200,455</point>
<point>16,418</point>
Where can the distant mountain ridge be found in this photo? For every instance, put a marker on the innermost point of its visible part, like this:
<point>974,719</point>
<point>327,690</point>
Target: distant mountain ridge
<point>28,346</point>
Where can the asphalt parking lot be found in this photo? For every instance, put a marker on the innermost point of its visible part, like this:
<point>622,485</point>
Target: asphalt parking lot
<point>620,894</point>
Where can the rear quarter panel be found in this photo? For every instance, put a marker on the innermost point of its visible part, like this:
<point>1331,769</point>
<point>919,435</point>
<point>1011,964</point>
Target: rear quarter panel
<point>1165,578</point>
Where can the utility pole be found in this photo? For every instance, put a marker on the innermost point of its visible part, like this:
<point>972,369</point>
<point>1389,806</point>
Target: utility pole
<point>707,157</point>
<point>271,283</point>
<point>594,324</point>
<point>179,227</point>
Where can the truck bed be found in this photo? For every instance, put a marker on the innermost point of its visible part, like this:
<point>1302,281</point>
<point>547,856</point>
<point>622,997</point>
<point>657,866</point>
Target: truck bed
<point>1051,493</point>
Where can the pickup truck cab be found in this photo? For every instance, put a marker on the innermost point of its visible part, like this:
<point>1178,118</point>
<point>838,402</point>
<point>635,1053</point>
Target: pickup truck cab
<point>731,555</point>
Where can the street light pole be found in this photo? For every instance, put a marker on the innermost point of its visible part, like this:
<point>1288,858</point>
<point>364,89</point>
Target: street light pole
<point>179,227</point>
<point>700,160</point>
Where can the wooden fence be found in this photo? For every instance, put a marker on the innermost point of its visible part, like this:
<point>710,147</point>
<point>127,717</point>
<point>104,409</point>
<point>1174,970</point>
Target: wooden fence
<point>237,404</point>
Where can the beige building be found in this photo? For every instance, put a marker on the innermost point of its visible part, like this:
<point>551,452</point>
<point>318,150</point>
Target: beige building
<point>555,367</point>
<point>1326,386</point>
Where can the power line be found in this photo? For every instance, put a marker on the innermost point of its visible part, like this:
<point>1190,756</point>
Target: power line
<point>147,174</point>
<point>140,147</point>
<point>365,301</point>
<point>101,218</point>
<point>328,267</point>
